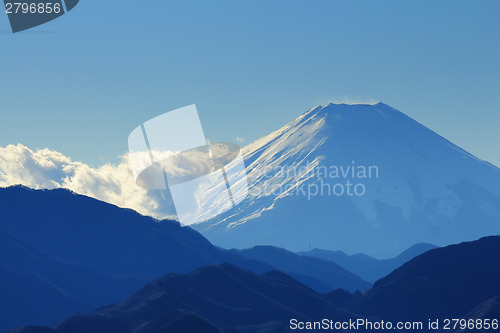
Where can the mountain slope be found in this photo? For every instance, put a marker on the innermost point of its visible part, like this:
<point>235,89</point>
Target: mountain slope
<point>367,267</point>
<point>331,275</point>
<point>82,253</point>
<point>226,296</point>
<point>30,279</point>
<point>488,309</point>
<point>414,186</point>
<point>76,253</point>
<point>458,281</point>
<point>442,283</point>
<point>102,236</point>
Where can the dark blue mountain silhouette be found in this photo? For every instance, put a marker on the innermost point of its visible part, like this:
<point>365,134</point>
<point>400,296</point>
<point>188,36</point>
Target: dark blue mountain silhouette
<point>38,288</point>
<point>459,281</point>
<point>81,253</point>
<point>329,275</point>
<point>34,329</point>
<point>229,298</point>
<point>107,238</point>
<point>486,310</point>
<point>445,282</point>
<point>62,253</point>
<point>367,267</point>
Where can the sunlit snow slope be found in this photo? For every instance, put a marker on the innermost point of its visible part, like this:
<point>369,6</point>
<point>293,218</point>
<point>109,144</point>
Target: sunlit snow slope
<point>410,185</point>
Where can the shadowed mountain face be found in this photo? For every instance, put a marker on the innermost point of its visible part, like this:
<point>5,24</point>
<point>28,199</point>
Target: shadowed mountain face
<point>367,267</point>
<point>421,187</point>
<point>38,288</point>
<point>328,274</point>
<point>446,282</point>
<point>104,237</point>
<point>178,321</point>
<point>62,253</point>
<point>226,296</point>
<point>76,253</point>
<point>486,310</point>
<point>34,329</point>
<point>458,281</point>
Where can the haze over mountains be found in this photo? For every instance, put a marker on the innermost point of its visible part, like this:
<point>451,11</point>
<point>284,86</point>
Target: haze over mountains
<point>421,188</point>
<point>367,267</point>
<point>452,282</point>
<point>327,274</point>
<point>63,253</point>
<point>68,254</point>
<point>417,186</point>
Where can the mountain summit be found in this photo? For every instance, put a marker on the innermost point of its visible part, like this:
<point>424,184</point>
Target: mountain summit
<point>360,178</point>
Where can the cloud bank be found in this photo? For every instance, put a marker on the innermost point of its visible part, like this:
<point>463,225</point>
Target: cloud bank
<point>48,169</point>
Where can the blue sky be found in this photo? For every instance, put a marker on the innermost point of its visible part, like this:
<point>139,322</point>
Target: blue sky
<point>82,83</point>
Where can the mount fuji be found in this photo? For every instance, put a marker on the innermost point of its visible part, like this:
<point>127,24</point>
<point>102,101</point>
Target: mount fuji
<point>360,178</point>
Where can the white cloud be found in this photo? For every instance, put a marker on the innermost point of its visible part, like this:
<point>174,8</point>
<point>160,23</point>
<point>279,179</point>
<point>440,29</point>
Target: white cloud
<point>350,100</point>
<point>115,184</point>
<point>240,139</point>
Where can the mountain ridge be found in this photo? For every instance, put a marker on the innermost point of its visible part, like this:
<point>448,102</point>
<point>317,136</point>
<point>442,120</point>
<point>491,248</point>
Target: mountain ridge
<point>71,245</point>
<point>238,301</point>
<point>79,253</point>
<point>465,275</point>
<point>329,273</point>
<point>427,189</point>
<point>366,267</point>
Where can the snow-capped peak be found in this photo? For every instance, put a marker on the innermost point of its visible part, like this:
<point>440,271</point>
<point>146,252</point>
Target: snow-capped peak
<point>422,188</point>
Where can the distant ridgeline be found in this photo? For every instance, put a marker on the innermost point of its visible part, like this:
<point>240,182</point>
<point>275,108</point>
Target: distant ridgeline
<point>458,281</point>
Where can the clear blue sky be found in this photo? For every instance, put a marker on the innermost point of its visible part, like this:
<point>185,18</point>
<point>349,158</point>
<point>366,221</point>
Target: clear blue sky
<point>81,83</point>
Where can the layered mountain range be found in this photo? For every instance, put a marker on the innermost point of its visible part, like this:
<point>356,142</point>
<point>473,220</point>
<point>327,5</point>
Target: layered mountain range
<point>458,281</point>
<point>367,267</point>
<point>340,179</point>
<point>63,253</point>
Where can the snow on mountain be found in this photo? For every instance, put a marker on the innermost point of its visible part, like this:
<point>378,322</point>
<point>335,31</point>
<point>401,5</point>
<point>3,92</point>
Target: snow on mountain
<point>361,178</point>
